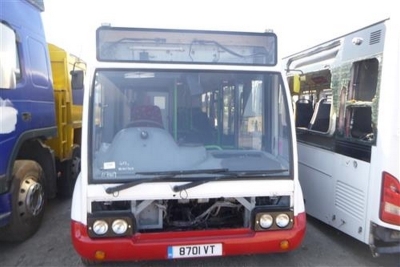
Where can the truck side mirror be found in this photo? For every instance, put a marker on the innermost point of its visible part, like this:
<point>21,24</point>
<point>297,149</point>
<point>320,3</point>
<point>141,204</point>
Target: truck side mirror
<point>77,77</point>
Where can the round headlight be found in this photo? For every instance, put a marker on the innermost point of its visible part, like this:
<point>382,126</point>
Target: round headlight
<point>119,226</point>
<point>100,227</point>
<point>282,220</point>
<point>266,221</point>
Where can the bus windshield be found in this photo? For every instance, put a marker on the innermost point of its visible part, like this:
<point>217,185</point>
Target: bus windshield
<point>186,121</point>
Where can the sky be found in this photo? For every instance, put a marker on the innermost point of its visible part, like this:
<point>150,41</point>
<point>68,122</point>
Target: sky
<point>71,24</point>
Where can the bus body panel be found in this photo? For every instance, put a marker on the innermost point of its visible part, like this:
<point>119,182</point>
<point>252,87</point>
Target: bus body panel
<point>319,176</point>
<point>340,169</point>
<point>385,156</point>
<point>320,171</point>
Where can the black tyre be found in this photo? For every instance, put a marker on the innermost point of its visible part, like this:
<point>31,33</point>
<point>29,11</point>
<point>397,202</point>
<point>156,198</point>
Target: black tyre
<point>28,201</point>
<point>70,171</point>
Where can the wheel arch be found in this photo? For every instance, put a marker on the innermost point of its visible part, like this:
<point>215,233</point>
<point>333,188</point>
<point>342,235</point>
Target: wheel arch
<point>36,150</point>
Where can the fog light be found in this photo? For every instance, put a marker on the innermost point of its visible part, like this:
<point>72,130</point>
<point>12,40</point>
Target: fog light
<point>266,221</point>
<point>100,255</point>
<point>282,220</point>
<point>284,244</point>
<point>100,227</point>
<point>119,226</point>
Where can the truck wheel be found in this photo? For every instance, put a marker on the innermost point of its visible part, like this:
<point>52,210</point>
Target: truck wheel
<point>71,170</point>
<point>27,201</point>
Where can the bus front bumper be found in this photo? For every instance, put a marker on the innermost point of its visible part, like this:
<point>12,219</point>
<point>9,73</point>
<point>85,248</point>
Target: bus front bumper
<point>158,246</point>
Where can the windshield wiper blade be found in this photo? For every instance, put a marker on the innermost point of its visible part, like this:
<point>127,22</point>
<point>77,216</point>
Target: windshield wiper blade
<point>182,172</point>
<point>161,175</point>
<point>164,175</point>
<point>111,190</point>
<point>260,172</point>
<point>226,175</point>
<point>178,188</point>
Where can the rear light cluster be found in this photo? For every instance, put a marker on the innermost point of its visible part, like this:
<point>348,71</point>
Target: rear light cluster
<point>272,220</point>
<point>110,225</point>
<point>390,199</point>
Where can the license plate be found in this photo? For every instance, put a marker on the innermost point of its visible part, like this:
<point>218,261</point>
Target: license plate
<point>191,251</point>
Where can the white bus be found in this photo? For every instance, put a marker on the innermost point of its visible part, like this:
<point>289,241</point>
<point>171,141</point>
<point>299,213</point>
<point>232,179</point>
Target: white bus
<point>188,148</point>
<point>345,95</point>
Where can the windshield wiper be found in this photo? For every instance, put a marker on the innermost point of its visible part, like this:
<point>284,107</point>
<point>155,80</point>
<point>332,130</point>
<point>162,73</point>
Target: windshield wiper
<point>181,172</point>
<point>161,176</point>
<point>165,175</point>
<point>227,175</point>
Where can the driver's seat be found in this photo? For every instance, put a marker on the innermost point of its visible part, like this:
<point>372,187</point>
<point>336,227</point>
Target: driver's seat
<point>146,115</point>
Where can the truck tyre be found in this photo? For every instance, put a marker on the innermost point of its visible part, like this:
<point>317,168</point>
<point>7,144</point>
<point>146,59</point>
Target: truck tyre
<point>71,170</point>
<point>28,201</point>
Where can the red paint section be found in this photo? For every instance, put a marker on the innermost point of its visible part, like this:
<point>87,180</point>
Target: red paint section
<point>154,246</point>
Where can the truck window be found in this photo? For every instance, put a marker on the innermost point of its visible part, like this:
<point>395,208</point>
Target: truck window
<point>38,59</point>
<point>9,60</point>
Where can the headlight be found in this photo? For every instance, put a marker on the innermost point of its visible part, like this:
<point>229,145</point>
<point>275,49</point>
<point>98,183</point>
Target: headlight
<point>282,220</point>
<point>105,224</point>
<point>119,226</point>
<point>100,227</point>
<point>269,220</point>
<point>266,221</point>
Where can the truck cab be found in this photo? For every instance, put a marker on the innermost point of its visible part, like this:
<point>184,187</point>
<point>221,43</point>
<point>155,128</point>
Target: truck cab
<point>32,165</point>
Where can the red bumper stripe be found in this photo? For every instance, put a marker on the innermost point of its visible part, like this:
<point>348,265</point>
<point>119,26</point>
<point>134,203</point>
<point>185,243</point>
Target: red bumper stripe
<point>155,245</point>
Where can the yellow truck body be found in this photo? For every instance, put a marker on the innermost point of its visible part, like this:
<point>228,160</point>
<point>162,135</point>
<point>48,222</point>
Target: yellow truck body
<point>68,72</point>
<point>68,102</point>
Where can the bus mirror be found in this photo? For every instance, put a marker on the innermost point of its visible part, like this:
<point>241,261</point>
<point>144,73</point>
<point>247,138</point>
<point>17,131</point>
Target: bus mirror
<point>296,83</point>
<point>77,79</point>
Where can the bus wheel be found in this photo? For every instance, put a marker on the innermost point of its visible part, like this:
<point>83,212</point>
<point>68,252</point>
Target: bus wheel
<point>27,201</point>
<point>71,170</point>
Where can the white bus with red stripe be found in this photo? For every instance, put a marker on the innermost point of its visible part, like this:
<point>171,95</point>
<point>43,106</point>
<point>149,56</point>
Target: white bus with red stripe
<point>188,148</point>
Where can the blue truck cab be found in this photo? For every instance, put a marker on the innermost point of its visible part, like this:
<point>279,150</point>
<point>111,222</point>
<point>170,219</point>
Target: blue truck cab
<point>28,168</point>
